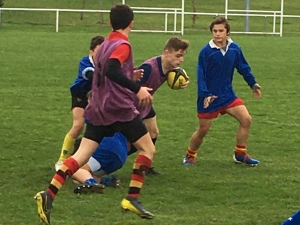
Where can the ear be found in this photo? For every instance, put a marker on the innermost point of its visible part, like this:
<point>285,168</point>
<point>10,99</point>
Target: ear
<point>166,52</point>
<point>131,24</point>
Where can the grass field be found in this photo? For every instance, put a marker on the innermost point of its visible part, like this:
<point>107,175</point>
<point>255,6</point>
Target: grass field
<point>37,66</point>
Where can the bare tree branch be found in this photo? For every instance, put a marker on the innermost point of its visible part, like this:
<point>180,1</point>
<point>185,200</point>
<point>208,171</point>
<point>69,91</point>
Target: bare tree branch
<point>83,6</point>
<point>194,17</point>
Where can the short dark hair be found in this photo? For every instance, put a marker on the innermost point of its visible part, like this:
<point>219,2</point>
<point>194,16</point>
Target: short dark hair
<point>220,20</point>
<point>121,16</point>
<point>176,44</point>
<point>97,40</point>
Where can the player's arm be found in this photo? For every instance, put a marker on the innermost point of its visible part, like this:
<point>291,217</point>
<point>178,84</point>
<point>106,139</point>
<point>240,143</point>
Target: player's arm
<point>113,68</point>
<point>244,69</point>
<point>87,73</point>
<point>202,87</point>
<point>147,70</point>
<point>201,70</point>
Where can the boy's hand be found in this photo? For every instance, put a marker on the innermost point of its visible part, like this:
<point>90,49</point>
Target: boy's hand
<point>186,83</point>
<point>256,91</point>
<point>208,100</point>
<point>138,74</point>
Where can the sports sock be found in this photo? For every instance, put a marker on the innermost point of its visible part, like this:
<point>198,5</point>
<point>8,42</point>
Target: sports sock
<point>67,169</point>
<point>240,149</point>
<point>191,153</point>
<point>91,181</point>
<point>140,168</point>
<point>66,148</point>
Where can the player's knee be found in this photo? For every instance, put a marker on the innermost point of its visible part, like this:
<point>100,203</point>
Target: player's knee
<point>78,127</point>
<point>149,150</point>
<point>154,132</point>
<point>202,131</point>
<point>246,121</point>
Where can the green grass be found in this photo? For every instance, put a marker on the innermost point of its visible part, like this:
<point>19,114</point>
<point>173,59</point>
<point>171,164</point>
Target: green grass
<point>37,68</point>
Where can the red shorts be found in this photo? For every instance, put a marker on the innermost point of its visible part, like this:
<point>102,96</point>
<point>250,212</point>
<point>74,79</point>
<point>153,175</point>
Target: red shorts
<point>222,111</point>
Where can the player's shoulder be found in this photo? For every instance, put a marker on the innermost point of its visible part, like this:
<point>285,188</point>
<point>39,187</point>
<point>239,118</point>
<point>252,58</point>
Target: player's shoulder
<point>233,45</point>
<point>205,50</point>
<point>86,61</point>
<point>151,60</point>
<point>147,64</point>
<point>208,46</point>
<point>84,58</point>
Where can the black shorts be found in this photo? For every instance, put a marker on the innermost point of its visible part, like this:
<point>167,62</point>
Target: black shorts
<point>79,99</point>
<point>133,130</point>
<point>151,114</point>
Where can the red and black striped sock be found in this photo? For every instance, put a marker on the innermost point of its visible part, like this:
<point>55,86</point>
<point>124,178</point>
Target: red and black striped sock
<point>240,150</point>
<point>140,167</point>
<point>67,169</point>
<point>191,153</point>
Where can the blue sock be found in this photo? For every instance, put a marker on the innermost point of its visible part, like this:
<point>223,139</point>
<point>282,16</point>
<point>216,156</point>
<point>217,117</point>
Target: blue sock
<point>91,181</point>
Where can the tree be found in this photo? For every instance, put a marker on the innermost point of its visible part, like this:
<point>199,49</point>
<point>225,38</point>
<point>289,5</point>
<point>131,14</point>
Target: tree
<point>101,21</point>
<point>83,6</point>
<point>194,17</point>
<point>1,3</point>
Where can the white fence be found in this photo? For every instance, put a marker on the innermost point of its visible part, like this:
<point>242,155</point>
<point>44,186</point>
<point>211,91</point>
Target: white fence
<point>165,11</point>
<point>175,12</point>
<point>259,13</point>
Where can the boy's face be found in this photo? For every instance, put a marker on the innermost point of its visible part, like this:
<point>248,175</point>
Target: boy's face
<point>175,58</point>
<point>219,33</point>
<point>93,52</point>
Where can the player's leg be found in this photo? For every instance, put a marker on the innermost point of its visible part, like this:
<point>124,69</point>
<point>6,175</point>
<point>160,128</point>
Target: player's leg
<point>79,102</point>
<point>88,184</point>
<point>77,127</point>
<point>151,125</point>
<point>93,135</point>
<point>103,163</point>
<point>197,138</point>
<point>84,174</point>
<point>136,133</point>
<point>239,111</point>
